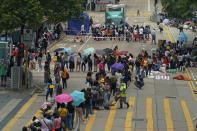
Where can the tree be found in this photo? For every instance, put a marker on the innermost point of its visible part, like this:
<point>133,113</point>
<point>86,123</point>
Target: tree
<point>182,9</point>
<point>60,10</point>
<point>19,13</point>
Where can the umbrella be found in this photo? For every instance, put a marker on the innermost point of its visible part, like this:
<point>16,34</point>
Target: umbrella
<point>58,49</point>
<point>67,50</point>
<point>166,21</point>
<point>108,50</point>
<point>88,51</point>
<point>185,26</point>
<point>122,53</point>
<point>97,25</point>
<point>100,52</point>
<point>63,98</point>
<point>187,22</point>
<point>117,66</point>
<point>78,97</point>
<point>45,104</point>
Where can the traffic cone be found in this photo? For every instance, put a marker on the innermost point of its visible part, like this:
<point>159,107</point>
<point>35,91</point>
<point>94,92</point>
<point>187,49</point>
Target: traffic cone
<point>145,41</point>
<point>74,40</point>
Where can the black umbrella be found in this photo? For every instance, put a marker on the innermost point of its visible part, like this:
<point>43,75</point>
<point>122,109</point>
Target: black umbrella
<point>108,50</point>
<point>100,52</point>
<point>58,49</point>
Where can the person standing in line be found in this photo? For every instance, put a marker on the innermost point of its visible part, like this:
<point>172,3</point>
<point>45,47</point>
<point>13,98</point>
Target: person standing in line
<point>138,12</point>
<point>65,59</point>
<point>153,33</point>
<point>64,77</point>
<point>89,60</point>
<point>123,95</point>
<point>3,73</point>
<point>40,61</point>
<point>71,111</point>
<point>83,63</point>
<point>78,64</point>
<point>50,87</point>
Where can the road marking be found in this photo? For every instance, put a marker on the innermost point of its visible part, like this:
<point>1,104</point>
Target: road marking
<point>84,44</point>
<point>128,121</point>
<point>187,116</point>
<point>190,84</point>
<point>37,115</point>
<point>169,34</point>
<point>90,122</point>
<point>149,116</point>
<point>25,107</point>
<point>111,117</point>
<point>168,117</point>
<point>148,5</point>
<point>8,108</point>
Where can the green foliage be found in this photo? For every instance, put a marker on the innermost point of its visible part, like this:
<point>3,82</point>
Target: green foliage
<point>182,9</point>
<point>61,10</point>
<point>19,13</point>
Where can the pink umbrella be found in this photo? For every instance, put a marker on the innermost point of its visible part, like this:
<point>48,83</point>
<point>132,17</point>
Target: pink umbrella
<point>187,22</point>
<point>63,98</point>
<point>122,53</point>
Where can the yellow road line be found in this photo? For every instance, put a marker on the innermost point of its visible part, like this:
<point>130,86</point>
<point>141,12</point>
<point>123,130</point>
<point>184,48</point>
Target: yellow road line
<point>111,117</point>
<point>90,122</point>
<point>25,107</point>
<point>190,85</point>
<point>37,115</point>
<point>187,116</point>
<point>128,121</point>
<point>169,34</point>
<point>168,117</point>
<point>191,80</point>
<point>149,115</point>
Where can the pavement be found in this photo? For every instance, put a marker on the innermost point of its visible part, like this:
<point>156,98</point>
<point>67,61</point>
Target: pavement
<point>162,105</point>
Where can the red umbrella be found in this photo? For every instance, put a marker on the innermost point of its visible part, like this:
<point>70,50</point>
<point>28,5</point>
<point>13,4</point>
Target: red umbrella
<point>122,53</point>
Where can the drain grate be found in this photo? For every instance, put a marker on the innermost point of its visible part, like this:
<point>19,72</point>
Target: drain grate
<point>139,119</point>
<point>173,97</point>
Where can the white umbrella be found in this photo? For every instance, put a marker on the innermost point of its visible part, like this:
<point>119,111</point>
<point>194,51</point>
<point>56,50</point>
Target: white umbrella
<point>166,21</point>
<point>97,25</point>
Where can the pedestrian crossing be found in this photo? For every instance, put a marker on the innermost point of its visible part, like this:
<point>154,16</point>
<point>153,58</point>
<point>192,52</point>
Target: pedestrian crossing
<point>159,77</point>
<point>150,120</point>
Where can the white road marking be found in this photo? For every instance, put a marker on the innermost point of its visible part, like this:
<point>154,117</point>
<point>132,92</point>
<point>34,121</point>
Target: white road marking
<point>84,44</point>
<point>148,5</point>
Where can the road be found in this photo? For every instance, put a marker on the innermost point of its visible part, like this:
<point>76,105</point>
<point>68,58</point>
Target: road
<point>162,104</point>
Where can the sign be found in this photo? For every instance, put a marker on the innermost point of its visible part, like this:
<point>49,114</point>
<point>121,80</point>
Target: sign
<point>3,50</point>
<point>15,77</point>
<point>27,37</point>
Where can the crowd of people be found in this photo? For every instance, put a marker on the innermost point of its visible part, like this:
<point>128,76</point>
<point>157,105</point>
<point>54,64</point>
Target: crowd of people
<point>104,86</point>
<point>126,32</point>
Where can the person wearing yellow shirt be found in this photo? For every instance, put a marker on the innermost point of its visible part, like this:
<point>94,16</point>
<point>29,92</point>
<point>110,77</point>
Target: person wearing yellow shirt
<point>63,113</point>
<point>123,95</point>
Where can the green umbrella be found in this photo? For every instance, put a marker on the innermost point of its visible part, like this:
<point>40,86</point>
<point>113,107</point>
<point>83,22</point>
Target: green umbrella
<point>88,51</point>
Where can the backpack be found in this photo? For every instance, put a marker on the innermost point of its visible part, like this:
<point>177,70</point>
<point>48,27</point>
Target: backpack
<point>64,74</point>
<point>67,75</point>
<point>55,59</point>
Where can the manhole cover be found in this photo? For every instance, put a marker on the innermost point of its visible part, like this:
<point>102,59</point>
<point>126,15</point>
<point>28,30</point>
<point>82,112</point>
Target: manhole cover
<point>173,97</point>
<point>138,119</point>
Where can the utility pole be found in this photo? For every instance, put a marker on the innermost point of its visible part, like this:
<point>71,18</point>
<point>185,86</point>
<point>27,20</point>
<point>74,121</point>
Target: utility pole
<point>155,5</point>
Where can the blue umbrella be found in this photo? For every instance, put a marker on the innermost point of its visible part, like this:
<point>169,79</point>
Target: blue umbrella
<point>78,97</point>
<point>182,38</point>
<point>117,66</point>
<point>67,50</point>
<point>88,51</point>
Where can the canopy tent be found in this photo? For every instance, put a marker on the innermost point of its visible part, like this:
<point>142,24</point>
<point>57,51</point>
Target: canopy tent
<point>74,25</point>
<point>114,15</point>
<point>182,38</point>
